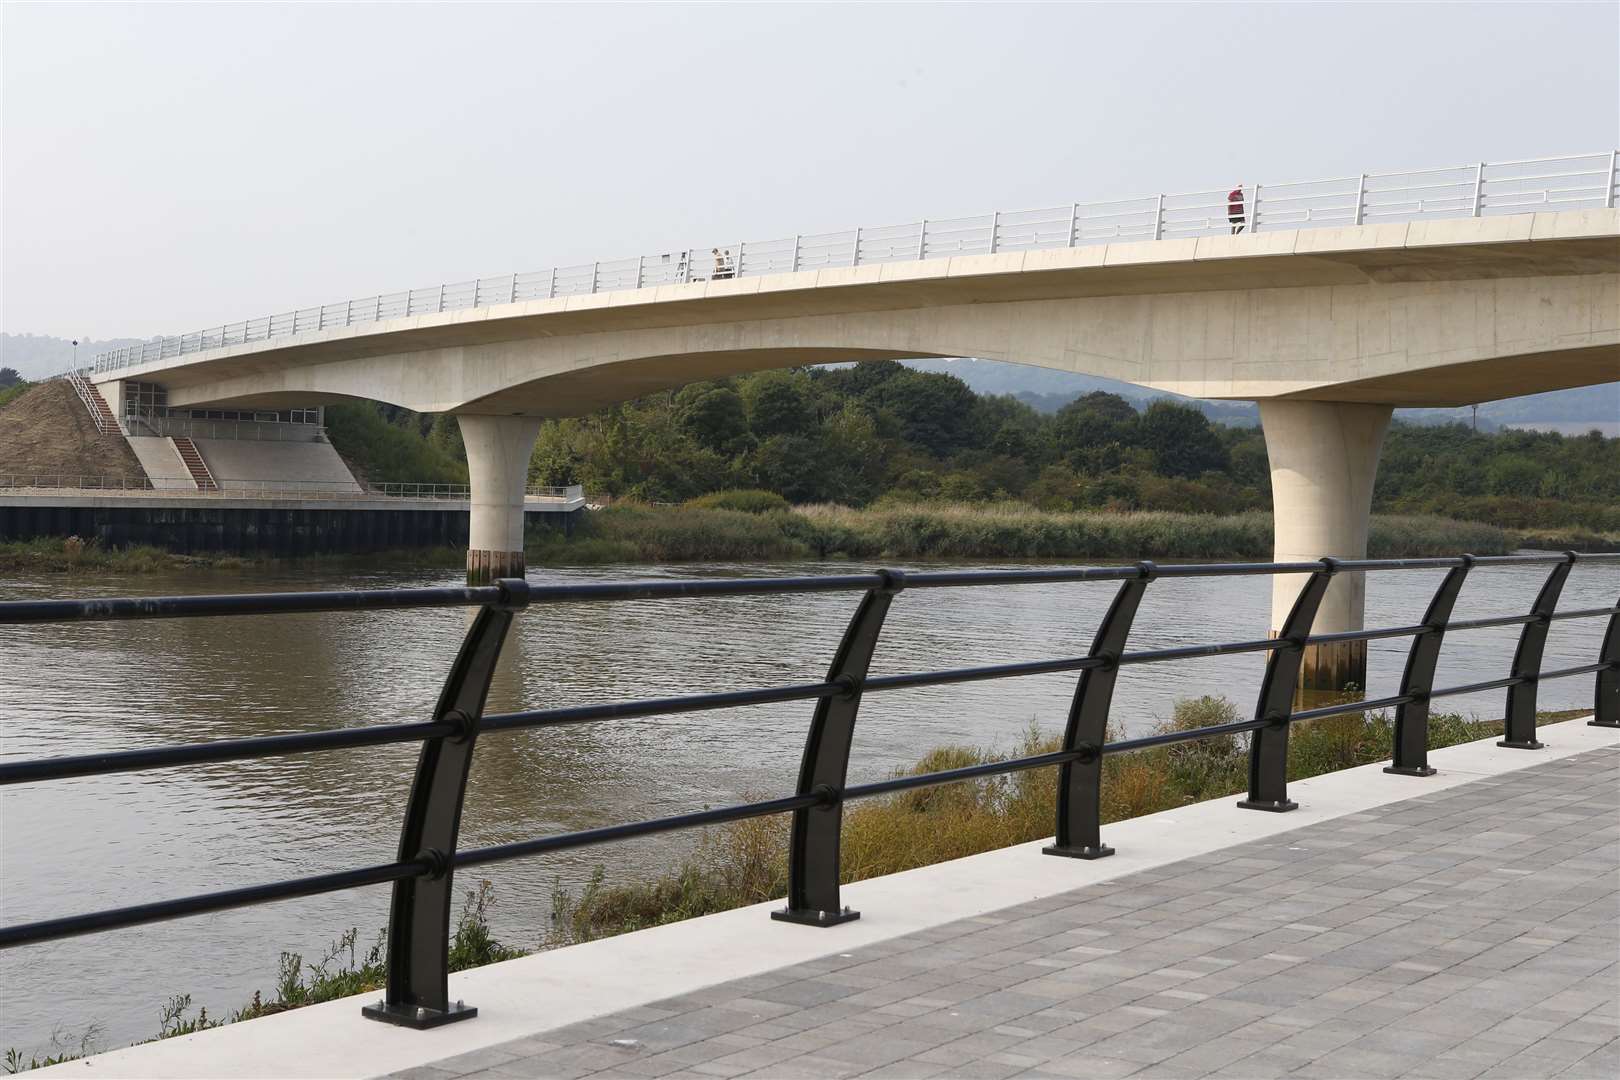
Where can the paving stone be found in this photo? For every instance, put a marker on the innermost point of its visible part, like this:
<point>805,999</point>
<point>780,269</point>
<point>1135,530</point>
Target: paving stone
<point>1467,933</point>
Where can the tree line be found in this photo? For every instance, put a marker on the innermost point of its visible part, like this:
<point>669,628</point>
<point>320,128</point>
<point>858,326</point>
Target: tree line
<point>881,432</point>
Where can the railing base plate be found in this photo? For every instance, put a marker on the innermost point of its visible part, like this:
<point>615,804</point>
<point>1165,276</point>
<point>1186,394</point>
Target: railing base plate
<point>1531,745</point>
<point>1273,806</point>
<point>414,1016</point>
<point>1603,723</point>
<point>1418,770</point>
<point>816,918</point>
<point>1101,851</point>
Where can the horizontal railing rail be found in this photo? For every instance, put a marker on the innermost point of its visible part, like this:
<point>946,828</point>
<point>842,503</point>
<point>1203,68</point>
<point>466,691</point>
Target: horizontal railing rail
<point>417,992</point>
<point>1477,189</point>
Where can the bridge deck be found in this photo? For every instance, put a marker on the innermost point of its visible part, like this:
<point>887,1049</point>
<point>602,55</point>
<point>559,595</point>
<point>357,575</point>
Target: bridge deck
<point>1463,933</point>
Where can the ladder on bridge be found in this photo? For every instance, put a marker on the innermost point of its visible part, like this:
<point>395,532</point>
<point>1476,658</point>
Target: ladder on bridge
<point>100,413</point>
<point>195,465</point>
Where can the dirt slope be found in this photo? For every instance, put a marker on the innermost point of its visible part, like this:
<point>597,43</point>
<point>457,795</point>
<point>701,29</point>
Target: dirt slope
<point>48,430</point>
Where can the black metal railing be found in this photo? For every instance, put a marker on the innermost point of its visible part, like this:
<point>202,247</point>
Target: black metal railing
<point>419,920</point>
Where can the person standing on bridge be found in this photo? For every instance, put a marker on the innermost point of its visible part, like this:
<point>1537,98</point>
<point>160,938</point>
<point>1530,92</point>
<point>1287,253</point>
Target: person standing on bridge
<point>1234,208</point>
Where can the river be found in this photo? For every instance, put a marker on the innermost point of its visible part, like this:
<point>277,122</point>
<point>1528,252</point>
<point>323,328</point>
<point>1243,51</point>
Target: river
<point>81,845</point>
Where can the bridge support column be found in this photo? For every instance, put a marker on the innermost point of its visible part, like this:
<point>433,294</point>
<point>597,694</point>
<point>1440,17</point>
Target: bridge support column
<point>498,449</point>
<point>1324,457</point>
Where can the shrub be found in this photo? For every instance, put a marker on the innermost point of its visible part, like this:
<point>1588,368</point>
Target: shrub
<point>746,500</point>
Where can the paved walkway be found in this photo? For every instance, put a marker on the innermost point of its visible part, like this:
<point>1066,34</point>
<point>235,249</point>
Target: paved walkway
<point>1471,932</point>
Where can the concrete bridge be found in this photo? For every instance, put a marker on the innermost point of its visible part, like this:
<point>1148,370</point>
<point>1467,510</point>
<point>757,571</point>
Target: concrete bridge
<point>1340,301</point>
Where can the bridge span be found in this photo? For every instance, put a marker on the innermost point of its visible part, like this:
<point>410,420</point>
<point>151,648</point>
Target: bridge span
<point>1337,302</point>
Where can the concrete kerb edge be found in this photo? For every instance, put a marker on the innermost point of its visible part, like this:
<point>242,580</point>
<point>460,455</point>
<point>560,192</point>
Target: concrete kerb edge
<point>524,997</point>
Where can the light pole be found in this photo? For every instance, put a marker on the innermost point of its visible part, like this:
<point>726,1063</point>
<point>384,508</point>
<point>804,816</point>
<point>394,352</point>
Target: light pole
<point>75,354</point>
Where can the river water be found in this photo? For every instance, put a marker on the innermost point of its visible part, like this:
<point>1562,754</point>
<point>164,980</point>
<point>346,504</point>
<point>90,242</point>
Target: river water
<point>81,845</point>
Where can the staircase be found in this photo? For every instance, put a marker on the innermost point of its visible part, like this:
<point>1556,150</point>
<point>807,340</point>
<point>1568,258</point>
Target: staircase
<point>194,463</point>
<point>105,421</point>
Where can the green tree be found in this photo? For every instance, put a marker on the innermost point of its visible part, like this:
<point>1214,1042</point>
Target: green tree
<point>713,415</point>
<point>792,466</point>
<point>1093,420</point>
<point>1181,439</point>
<point>778,403</point>
<point>445,437</point>
<point>936,412</point>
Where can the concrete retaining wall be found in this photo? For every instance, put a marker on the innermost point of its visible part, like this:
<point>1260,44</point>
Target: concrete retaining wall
<point>266,530</point>
<point>275,465</point>
<point>162,462</point>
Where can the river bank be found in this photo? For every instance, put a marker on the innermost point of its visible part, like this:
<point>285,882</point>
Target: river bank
<point>745,862</point>
<point>639,533</point>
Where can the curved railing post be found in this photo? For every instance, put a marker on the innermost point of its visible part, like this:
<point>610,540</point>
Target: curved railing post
<point>1079,793</point>
<point>1606,693</point>
<point>1268,747</point>
<point>418,993</point>
<point>813,850</point>
<point>1410,755</point>
<point>1519,724</point>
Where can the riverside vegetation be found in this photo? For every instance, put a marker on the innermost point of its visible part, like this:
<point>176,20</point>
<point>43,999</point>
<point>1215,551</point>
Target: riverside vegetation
<point>711,529</point>
<point>882,459</point>
<point>881,433</point>
<point>745,862</point>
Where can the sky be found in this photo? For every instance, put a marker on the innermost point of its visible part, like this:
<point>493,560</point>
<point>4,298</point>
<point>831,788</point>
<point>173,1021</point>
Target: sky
<point>173,167</point>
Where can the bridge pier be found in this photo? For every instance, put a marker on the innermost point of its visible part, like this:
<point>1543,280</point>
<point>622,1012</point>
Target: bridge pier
<point>498,449</point>
<point>1324,458</point>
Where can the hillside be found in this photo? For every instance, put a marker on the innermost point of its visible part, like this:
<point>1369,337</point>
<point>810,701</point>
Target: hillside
<point>47,430</point>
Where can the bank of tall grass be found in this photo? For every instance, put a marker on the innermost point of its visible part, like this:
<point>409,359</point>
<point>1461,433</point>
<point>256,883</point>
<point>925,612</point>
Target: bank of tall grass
<point>77,555</point>
<point>746,862</point>
<point>631,532</point>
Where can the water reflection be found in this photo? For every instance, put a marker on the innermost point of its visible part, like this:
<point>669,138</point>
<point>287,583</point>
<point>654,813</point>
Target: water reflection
<point>85,844</point>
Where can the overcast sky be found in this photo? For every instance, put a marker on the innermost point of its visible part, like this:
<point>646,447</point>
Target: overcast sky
<point>170,167</point>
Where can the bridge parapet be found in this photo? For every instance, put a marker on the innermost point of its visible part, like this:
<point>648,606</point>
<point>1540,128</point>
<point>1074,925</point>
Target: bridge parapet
<point>1474,190</point>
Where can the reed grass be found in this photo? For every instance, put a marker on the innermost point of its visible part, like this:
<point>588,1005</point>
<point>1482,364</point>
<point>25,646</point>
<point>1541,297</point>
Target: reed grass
<point>631,532</point>
<point>746,862</point>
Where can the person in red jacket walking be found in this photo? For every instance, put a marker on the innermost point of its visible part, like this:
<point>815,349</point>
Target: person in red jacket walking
<point>1234,209</point>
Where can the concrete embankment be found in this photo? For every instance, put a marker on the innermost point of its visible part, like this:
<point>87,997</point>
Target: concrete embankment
<point>269,526</point>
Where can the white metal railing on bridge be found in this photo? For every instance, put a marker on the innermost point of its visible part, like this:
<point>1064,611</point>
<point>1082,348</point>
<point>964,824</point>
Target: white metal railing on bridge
<point>100,414</point>
<point>1477,189</point>
<point>78,484</point>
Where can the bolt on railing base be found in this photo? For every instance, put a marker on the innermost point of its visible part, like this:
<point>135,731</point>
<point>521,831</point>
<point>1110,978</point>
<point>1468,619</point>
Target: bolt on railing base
<point>418,1016</point>
<point>1101,851</point>
<point>816,918</point>
<point>1420,770</point>
<point>1530,744</point>
<point>1273,806</point>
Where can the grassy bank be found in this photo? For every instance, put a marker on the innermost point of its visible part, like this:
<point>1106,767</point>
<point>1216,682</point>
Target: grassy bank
<point>343,971</point>
<point>745,862</point>
<point>73,555</point>
<point>638,533</point>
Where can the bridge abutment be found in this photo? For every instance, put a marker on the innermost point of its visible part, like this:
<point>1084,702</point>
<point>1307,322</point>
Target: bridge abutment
<point>498,449</point>
<point>1324,458</point>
